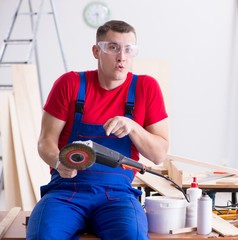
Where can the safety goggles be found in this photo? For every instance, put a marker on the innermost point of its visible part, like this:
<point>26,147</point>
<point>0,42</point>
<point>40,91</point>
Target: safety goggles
<point>113,48</point>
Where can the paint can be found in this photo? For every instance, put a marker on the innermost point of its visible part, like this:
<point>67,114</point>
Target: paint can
<point>204,217</point>
<point>165,213</point>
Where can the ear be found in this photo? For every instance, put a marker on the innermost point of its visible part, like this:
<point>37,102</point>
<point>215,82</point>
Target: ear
<point>95,51</point>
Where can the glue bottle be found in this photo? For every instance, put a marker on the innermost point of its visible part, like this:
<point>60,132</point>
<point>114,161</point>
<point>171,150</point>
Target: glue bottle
<point>204,217</point>
<point>194,193</point>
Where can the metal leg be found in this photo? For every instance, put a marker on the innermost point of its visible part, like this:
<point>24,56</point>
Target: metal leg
<point>58,34</point>
<point>36,52</point>
<point>10,31</point>
<point>233,198</point>
<point>35,29</point>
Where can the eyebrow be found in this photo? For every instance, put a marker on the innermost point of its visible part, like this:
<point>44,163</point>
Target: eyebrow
<point>126,44</point>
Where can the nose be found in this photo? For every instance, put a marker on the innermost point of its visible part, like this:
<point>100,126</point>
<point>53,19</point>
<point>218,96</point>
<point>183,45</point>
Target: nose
<point>121,56</point>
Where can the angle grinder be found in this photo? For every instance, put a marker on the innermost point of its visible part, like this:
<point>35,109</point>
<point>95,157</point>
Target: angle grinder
<point>83,154</point>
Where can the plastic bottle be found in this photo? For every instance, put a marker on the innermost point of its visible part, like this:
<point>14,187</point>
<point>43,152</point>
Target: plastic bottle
<point>194,193</point>
<point>204,220</point>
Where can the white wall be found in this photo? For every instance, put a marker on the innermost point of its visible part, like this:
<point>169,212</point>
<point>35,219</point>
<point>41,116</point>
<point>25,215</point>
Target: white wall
<point>197,37</point>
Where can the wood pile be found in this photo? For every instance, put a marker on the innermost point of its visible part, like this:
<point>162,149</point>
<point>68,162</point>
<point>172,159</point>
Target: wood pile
<point>20,116</point>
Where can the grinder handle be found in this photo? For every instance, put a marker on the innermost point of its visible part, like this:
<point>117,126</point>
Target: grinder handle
<point>113,160</point>
<point>108,157</point>
<point>127,163</point>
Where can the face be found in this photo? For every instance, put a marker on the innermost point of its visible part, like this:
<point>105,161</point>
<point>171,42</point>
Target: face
<point>114,67</point>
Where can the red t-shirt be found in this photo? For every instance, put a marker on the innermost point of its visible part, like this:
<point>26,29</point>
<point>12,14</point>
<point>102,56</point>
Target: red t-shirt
<point>101,104</point>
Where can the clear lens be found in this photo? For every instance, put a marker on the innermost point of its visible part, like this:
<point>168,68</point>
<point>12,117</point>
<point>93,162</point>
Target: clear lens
<point>113,48</point>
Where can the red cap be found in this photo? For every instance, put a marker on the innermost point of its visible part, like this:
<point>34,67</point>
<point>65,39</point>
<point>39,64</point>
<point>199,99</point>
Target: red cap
<point>194,184</point>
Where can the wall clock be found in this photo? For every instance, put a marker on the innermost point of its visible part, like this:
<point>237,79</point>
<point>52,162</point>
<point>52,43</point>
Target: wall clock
<point>95,14</point>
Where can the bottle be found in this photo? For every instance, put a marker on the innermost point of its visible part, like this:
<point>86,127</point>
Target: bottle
<point>194,193</point>
<point>204,217</point>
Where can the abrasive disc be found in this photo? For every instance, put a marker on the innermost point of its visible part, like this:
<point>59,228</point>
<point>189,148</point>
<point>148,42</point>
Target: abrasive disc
<point>77,156</point>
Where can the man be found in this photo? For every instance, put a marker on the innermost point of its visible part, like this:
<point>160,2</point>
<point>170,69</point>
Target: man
<point>114,108</point>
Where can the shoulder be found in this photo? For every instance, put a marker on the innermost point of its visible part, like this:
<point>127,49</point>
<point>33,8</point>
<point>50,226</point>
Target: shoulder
<point>148,83</point>
<point>72,79</point>
<point>64,88</point>
<point>91,74</point>
<point>147,79</point>
<point>68,78</point>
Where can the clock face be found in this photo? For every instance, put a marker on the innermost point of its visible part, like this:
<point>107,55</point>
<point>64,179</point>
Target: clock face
<point>95,14</point>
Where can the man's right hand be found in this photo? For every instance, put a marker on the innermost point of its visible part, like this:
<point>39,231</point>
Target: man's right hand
<point>65,172</point>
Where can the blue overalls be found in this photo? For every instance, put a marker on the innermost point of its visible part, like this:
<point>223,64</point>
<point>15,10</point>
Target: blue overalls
<point>99,199</point>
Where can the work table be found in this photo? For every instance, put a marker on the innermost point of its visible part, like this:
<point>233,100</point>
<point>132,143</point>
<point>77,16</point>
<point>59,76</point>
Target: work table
<point>17,231</point>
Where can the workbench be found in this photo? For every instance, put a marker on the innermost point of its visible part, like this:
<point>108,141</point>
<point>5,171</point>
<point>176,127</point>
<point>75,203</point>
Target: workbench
<point>227,184</point>
<point>17,231</point>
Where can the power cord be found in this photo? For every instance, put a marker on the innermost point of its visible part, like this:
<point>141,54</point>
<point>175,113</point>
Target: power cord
<point>170,180</point>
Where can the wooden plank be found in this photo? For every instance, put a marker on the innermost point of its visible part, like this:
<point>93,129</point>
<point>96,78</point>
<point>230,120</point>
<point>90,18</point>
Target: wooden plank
<point>8,220</point>
<point>223,227</point>
<point>159,69</point>
<point>183,230</point>
<point>175,174</point>
<point>25,81</point>
<point>27,105</point>
<point>203,175</point>
<point>11,184</point>
<point>229,181</point>
<point>193,229</point>
<point>160,185</point>
<point>203,164</point>
<point>150,165</point>
<point>27,195</point>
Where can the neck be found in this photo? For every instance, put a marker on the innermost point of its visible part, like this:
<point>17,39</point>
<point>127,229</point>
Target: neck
<point>109,83</point>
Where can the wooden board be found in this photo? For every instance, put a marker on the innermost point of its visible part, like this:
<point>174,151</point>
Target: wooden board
<point>159,69</point>
<point>11,184</point>
<point>223,227</point>
<point>25,81</point>
<point>27,105</point>
<point>175,174</point>
<point>160,185</point>
<point>8,220</point>
<point>203,164</point>
<point>228,181</point>
<point>26,191</point>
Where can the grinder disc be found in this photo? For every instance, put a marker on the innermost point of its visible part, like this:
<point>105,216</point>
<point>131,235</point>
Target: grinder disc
<point>77,156</point>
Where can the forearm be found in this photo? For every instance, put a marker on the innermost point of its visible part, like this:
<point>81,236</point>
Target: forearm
<point>49,152</point>
<point>51,129</point>
<point>151,145</point>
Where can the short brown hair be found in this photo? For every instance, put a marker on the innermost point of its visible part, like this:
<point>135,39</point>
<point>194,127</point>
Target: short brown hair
<point>116,26</point>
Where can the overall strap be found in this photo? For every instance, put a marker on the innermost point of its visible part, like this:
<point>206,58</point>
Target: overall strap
<point>79,106</point>
<point>81,93</point>
<point>131,97</point>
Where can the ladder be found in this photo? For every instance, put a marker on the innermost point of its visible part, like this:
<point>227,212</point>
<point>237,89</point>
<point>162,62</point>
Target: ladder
<point>35,17</point>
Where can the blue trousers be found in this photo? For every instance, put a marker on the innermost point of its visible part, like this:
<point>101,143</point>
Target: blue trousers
<point>70,207</point>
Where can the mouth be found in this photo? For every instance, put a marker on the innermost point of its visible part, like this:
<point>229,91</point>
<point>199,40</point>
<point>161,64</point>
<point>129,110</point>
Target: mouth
<point>120,67</point>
